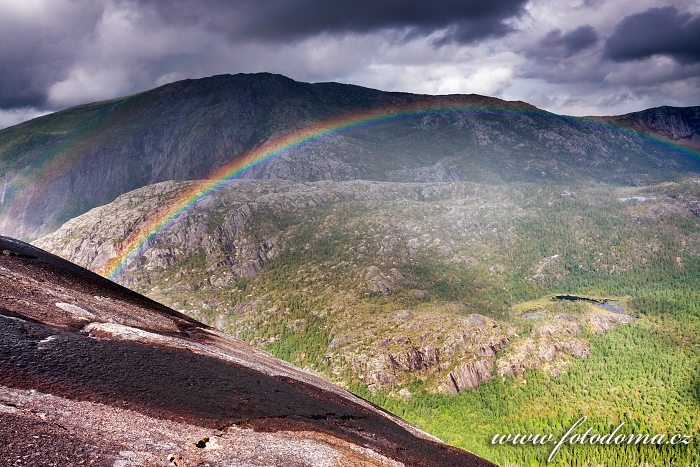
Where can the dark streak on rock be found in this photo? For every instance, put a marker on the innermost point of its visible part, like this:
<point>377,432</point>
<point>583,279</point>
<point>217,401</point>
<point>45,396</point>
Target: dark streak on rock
<point>176,384</point>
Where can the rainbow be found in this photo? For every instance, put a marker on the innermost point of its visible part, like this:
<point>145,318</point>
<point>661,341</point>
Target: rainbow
<point>144,236</point>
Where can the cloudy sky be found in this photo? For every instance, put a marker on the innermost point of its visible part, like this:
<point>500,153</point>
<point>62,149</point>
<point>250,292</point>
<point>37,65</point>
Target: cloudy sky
<point>579,57</point>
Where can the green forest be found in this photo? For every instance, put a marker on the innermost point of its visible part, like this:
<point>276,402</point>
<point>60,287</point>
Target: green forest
<point>646,374</point>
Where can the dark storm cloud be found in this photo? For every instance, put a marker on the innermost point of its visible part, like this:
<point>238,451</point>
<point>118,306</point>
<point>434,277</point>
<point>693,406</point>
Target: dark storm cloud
<point>657,31</point>
<point>570,43</point>
<point>41,45</point>
<point>22,85</point>
<point>565,57</point>
<point>59,53</point>
<point>35,50</point>
<point>463,21</point>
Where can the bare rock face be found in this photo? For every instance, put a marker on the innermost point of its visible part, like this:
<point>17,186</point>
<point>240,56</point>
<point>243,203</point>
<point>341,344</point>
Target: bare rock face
<point>460,355</point>
<point>679,124</point>
<point>416,359</point>
<point>92,373</point>
<point>374,371</point>
<point>231,247</point>
<point>469,375</point>
<point>545,348</point>
<point>601,323</point>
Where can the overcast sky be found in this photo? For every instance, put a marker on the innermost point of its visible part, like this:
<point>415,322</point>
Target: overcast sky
<point>579,57</point>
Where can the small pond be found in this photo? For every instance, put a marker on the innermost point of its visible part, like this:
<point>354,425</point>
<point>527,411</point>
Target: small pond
<point>609,305</point>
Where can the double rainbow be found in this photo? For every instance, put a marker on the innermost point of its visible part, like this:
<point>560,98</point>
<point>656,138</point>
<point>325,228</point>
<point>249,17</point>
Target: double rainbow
<point>144,236</point>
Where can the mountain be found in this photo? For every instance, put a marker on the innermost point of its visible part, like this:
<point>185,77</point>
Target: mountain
<point>93,373</point>
<point>61,165</point>
<point>680,125</point>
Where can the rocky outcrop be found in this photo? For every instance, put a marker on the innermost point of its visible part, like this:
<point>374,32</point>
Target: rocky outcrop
<point>432,354</point>
<point>384,369</point>
<point>230,249</point>
<point>601,323</point>
<point>92,373</point>
<point>547,347</point>
<point>468,376</point>
<point>674,123</point>
<point>416,359</point>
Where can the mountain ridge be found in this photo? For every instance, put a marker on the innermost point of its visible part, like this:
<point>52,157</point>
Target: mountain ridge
<point>60,165</point>
<point>676,124</point>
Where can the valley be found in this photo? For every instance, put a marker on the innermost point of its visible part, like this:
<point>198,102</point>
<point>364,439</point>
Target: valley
<point>435,299</point>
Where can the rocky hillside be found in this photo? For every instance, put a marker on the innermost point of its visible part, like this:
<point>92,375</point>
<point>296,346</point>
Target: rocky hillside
<point>92,373</point>
<point>680,125</point>
<point>61,165</point>
<point>401,286</point>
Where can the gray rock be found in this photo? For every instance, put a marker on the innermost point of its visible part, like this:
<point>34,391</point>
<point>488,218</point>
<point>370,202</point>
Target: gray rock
<point>469,375</point>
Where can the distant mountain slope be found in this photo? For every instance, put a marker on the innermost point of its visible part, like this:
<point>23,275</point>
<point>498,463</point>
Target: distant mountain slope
<point>61,165</point>
<point>93,373</point>
<point>679,124</point>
